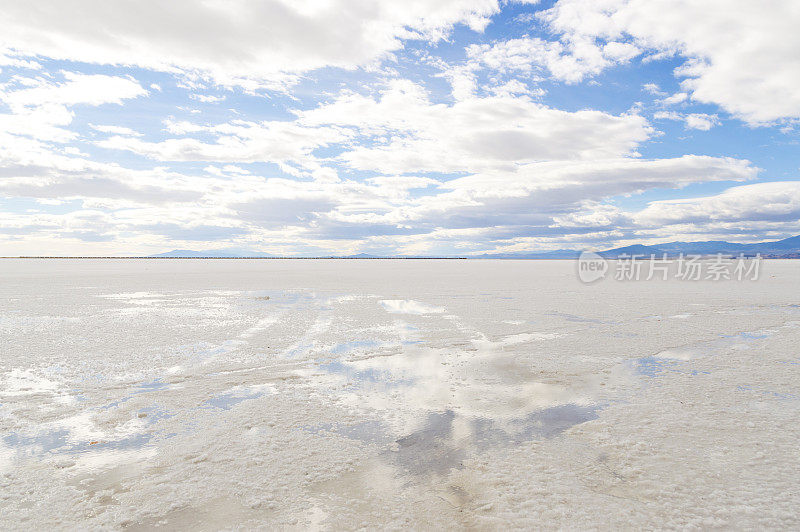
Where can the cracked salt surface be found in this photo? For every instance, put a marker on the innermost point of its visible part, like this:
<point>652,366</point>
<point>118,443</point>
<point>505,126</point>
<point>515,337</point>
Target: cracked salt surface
<point>393,394</point>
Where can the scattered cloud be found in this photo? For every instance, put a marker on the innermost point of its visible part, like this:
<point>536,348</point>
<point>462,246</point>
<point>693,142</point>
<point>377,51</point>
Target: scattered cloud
<point>409,133</point>
<point>701,121</point>
<point>570,62</point>
<point>251,44</point>
<point>76,89</point>
<point>116,130</point>
<point>760,202</point>
<point>740,55</point>
<point>389,131</point>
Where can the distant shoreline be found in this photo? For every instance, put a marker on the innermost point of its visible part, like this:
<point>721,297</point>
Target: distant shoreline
<point>788,248</point>
<point>242,258</point>
<point>343,258</point>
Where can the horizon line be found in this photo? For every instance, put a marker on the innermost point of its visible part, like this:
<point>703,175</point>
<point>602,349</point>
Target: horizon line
<point>109,257</point>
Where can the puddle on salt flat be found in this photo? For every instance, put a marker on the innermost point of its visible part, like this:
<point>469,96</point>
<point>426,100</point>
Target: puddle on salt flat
<point>58,442</point>
<point>446,439</point>
<point>758,335</point>
<point>239,394</point>
<point>73,440</point>
<point>369,431</point>
<point>546,423</point>
<point>675,359</point>
<point>361,377</point>
<point>409,306</point>
<point>431,449</point>
<point>411,385</point>
<point>37,444</point>
<point>768,393</point>
<point>152,386</point>
<point>669,361</point>
<point>79,435</point>
<point>346,347</point>
<point>423,452</point>
<point>653,366</point>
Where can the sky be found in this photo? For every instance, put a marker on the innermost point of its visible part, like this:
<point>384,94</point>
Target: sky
<point>422,127</point>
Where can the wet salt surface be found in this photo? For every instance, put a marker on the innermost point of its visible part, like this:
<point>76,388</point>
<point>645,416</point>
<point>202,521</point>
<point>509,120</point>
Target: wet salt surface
<point>231,398</point>
<point>436,449</point>
<point>672,359</point>
<point>320,395</point>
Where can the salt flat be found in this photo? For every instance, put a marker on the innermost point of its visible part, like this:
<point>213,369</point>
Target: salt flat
<point>317,394</point>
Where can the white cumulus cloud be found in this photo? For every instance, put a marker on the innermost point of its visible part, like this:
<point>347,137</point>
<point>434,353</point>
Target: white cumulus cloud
<point>234,40</point>
<point>740,55</point>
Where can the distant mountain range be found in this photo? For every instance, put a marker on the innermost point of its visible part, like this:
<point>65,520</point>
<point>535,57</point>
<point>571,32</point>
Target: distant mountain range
<point>243,254</point>
<point>213,254</point>
<point>786,248</point>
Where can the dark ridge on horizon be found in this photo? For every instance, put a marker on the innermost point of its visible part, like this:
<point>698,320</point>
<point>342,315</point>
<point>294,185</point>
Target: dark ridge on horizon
<point>225,258</point>
<point>788,248</point>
